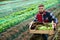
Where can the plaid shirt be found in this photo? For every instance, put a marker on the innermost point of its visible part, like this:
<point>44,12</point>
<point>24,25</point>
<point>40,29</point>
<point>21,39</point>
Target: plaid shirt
<point>45,17</point>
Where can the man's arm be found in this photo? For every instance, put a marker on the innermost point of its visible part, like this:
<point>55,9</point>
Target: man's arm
<point>35,19</point>
<point>54,18</point>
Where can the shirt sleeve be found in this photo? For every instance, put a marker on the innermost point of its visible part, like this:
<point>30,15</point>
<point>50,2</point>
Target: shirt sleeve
<point>54,18</point>
<point>35,18</point>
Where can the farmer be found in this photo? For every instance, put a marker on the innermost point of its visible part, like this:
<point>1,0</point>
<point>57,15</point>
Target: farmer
<point>44,16</point>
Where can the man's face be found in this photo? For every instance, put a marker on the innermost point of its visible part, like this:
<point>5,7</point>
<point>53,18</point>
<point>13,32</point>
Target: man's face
<point>41,9</point>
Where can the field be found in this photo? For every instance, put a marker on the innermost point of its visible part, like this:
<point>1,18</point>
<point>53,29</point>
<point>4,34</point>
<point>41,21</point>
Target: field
<point>13,22</point>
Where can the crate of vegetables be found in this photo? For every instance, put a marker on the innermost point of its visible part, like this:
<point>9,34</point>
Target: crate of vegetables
<point>46,28</point>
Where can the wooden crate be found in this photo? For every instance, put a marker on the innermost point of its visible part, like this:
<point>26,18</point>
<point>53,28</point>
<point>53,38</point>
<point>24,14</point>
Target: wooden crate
<point>50,32</point>
<point>34,31</point>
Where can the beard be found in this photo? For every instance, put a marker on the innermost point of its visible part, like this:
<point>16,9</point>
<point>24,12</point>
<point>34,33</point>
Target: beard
<point>41,12</point>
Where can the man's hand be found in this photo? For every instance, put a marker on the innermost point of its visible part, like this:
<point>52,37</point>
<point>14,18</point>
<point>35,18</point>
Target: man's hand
<point>31,24</point>
<point>54,25</point>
